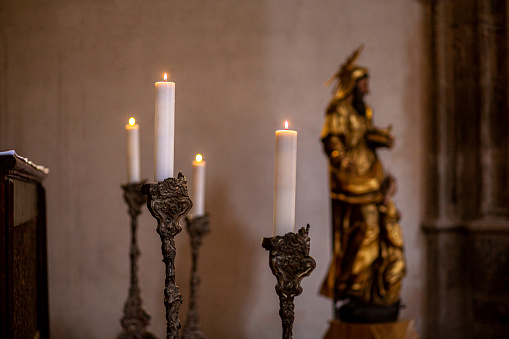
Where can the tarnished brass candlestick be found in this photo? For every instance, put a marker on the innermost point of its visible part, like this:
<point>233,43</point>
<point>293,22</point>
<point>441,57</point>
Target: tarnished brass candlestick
<point>135,318</point>
<point>197,228</point>
<point>290,262</point>
<point>168,201</point>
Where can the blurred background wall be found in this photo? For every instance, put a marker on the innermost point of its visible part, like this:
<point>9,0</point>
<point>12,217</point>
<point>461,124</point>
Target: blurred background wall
<point>73,72</point>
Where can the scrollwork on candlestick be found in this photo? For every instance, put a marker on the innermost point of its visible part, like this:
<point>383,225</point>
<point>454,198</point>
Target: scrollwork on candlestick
<point>290,262</point>
<point>197,228</point>
<point>135,318</point>
<point>168,201</point>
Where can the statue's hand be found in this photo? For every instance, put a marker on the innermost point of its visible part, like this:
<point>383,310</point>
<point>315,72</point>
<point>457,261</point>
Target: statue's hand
<point>390,140</point>
<point>348,164</point>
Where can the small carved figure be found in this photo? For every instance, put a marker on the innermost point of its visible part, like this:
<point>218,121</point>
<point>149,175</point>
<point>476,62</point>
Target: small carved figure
<point>368,264</point>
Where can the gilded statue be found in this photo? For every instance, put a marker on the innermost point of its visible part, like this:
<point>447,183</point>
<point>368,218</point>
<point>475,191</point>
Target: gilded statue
<point>364,278</point>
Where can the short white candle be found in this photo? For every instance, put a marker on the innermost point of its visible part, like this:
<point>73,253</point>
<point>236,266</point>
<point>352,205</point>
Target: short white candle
<point>285,178</point>
<point>133,151</point>
<point>198,184</point>
<point>164,133</point>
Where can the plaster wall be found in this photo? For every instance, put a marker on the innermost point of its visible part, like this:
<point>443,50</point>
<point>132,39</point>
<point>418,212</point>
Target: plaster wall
<point>73,72</point>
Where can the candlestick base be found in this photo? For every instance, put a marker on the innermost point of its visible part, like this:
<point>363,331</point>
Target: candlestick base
<point>135,318</point>
<point>290,262</point>
<point>168,201</point>
<point>197,228</point>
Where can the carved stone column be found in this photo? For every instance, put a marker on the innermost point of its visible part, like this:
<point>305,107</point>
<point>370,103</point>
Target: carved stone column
<point>467,222</point>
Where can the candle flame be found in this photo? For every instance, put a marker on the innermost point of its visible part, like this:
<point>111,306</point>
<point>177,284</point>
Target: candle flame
<point>199,158</point>
<point>165,77</point>
<point>132,121</point>
<point>286,124</point>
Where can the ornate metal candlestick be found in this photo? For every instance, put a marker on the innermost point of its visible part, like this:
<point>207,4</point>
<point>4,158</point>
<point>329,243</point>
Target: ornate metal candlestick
<point>135,318</point>
<point>168,201</point>
<point>197,228</point>
<point>290,262</point>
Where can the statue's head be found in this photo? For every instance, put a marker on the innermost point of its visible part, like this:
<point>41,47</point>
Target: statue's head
<point>349,76</point>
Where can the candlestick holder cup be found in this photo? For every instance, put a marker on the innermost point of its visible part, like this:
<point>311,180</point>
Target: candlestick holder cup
<point>135,318</point>
<point>290,262</point>
<point>168,201</point>
<point>197,228</point>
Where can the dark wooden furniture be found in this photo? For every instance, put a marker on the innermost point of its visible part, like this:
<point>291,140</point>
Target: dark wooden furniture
<point>23,259</point>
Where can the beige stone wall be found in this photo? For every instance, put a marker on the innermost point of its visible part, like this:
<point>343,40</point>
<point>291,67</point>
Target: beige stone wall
<point>72,73</point>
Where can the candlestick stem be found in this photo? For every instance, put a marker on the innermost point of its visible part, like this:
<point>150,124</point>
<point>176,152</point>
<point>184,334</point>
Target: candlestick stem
<point>168,201</point>
<point>197,228</point>
<point>290,262</point>
<point>135,318</point>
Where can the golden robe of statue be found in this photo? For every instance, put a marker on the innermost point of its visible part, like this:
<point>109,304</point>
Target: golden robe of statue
<point>368,263</point>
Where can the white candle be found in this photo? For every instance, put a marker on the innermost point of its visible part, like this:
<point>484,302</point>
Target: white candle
<point>285,178</point>
<point>133,151</point>
<point>164,129</point>
<point>198,196</point>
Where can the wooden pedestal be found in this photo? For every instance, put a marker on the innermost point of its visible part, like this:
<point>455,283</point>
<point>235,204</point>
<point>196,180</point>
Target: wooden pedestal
<point>395,330</point>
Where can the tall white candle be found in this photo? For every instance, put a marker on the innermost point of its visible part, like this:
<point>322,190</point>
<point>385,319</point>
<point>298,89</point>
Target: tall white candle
<point>164,129</point>
<point>198,184</point>
<point>285,178</point>
<point>133,151</point>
